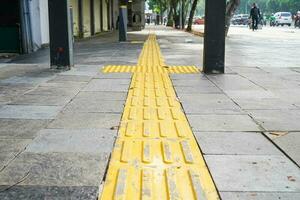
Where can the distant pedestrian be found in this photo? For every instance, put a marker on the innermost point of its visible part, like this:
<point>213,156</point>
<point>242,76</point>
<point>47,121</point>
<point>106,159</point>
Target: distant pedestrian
<point>255,16</point>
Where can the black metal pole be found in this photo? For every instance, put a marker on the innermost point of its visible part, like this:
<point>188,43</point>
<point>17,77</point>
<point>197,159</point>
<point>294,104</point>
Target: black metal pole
<point>61,38</point>
<point>214,37</point>
<point>123,23</point>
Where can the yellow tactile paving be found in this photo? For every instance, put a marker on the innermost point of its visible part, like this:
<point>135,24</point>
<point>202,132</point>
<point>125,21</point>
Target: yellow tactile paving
<point>166,69</point>
<point>155,155</point>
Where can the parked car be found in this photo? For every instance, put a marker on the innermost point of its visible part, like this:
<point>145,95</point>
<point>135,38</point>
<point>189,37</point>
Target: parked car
<point>199,21</point>
<point>241,19</point>
<point>283,18</point>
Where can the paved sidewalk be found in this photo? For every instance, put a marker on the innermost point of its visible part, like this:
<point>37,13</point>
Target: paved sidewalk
<point>58,128</point>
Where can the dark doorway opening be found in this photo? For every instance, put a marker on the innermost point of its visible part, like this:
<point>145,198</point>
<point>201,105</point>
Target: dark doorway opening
<point>10,29</point>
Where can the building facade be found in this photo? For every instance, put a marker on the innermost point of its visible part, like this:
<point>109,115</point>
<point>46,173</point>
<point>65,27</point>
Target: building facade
<point>24,24</point>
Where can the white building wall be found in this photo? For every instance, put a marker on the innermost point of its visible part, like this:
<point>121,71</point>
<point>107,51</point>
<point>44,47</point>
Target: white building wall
<point>34,10</point>
<point>39,22</point>
<point>44,20</point>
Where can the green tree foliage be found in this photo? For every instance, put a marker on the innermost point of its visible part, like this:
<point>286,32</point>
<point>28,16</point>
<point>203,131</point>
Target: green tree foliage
<point>270,6</point>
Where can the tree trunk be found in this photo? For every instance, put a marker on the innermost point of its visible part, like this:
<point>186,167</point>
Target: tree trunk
<point>231,7</point>
<point>161,14</point>
<point>182,14</point>
<point>170,20</point>
<point>192,12</point>
<point>174,6</point>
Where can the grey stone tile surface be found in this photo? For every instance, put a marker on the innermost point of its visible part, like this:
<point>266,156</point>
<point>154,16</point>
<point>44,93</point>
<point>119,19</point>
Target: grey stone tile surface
<point>233,82</point>
<point>93,141</point>
<point>256,94</point>
<point>55,91</point>
<point>41,100</point>
<point>10,148</point>
<point>101,75</point>
<point>115,85</point>
<point>85,120</point>
<point>99,96</point>
<point>49,192</point>
<point>235,143</point>
<point>260,195</point>
<point>213,122</point>
<point>66,84</point>
<point>181,90</point>
<point>15,80</point>
<point>264,104</point>
<point>92,105</point>
<point>55,169</point>
<point>187,76</point>
<point>289,143</point>
<point>20,128</point>
<point>29,112</point>
<point>254,173</point>
<point>277,120</point>
<point>209,103</point>
<point>70,78</point>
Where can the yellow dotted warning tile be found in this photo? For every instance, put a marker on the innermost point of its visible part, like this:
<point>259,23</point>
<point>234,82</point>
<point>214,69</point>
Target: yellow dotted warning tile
<point>155,155</point>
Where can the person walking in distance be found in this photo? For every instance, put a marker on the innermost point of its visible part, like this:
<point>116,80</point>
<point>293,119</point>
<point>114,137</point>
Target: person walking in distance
<point>255,16</point>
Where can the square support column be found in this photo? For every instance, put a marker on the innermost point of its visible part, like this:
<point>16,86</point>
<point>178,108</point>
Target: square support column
<point>214,37</point>
<point>61,38</point>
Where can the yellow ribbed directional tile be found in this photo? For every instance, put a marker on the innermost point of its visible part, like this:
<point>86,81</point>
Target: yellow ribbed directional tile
<point>156,155</point>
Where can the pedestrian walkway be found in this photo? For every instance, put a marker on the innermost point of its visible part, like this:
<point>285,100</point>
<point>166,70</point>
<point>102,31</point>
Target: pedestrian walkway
<point>156,155</point>
<point>60,130</point>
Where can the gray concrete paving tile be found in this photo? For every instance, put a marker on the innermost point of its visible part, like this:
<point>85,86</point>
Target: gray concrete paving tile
<point>259,195</point>
<point>100,96</point>
<point>71,120</point>
<point>181,90</point>
<point>15,80</point>
<point>293,95</point>
<point>71,78</point>
<point>66,84</point>
<point>222,122</point>
<point>29,112</point>
<point>90,141</point>
<point>110,85</point>
<point>75,72</point>
<point>264,104</point>
<point>192,82</point>
<point>175,77</point>
<point>255,173</point>
<point>277,120</point>
<point>250,94</point>
<point>41,100</point>
<point>10,148</point>
<point>233,82</point>
<point>10,92</point>
<point>272,82</point>
<point>289,143</point>
<point>5,158</point>
<point>235,143</point>
<point>208,103</point>
<point>20,128</point>
<point>55,91</point>
<point>56,169</point>
<point>13,145</point>
<point>49,192</point>
<point>101,75</point>
<point>103,106</point>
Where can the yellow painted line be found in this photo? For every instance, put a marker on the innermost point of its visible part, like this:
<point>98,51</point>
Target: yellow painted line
<point>155,155</point>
